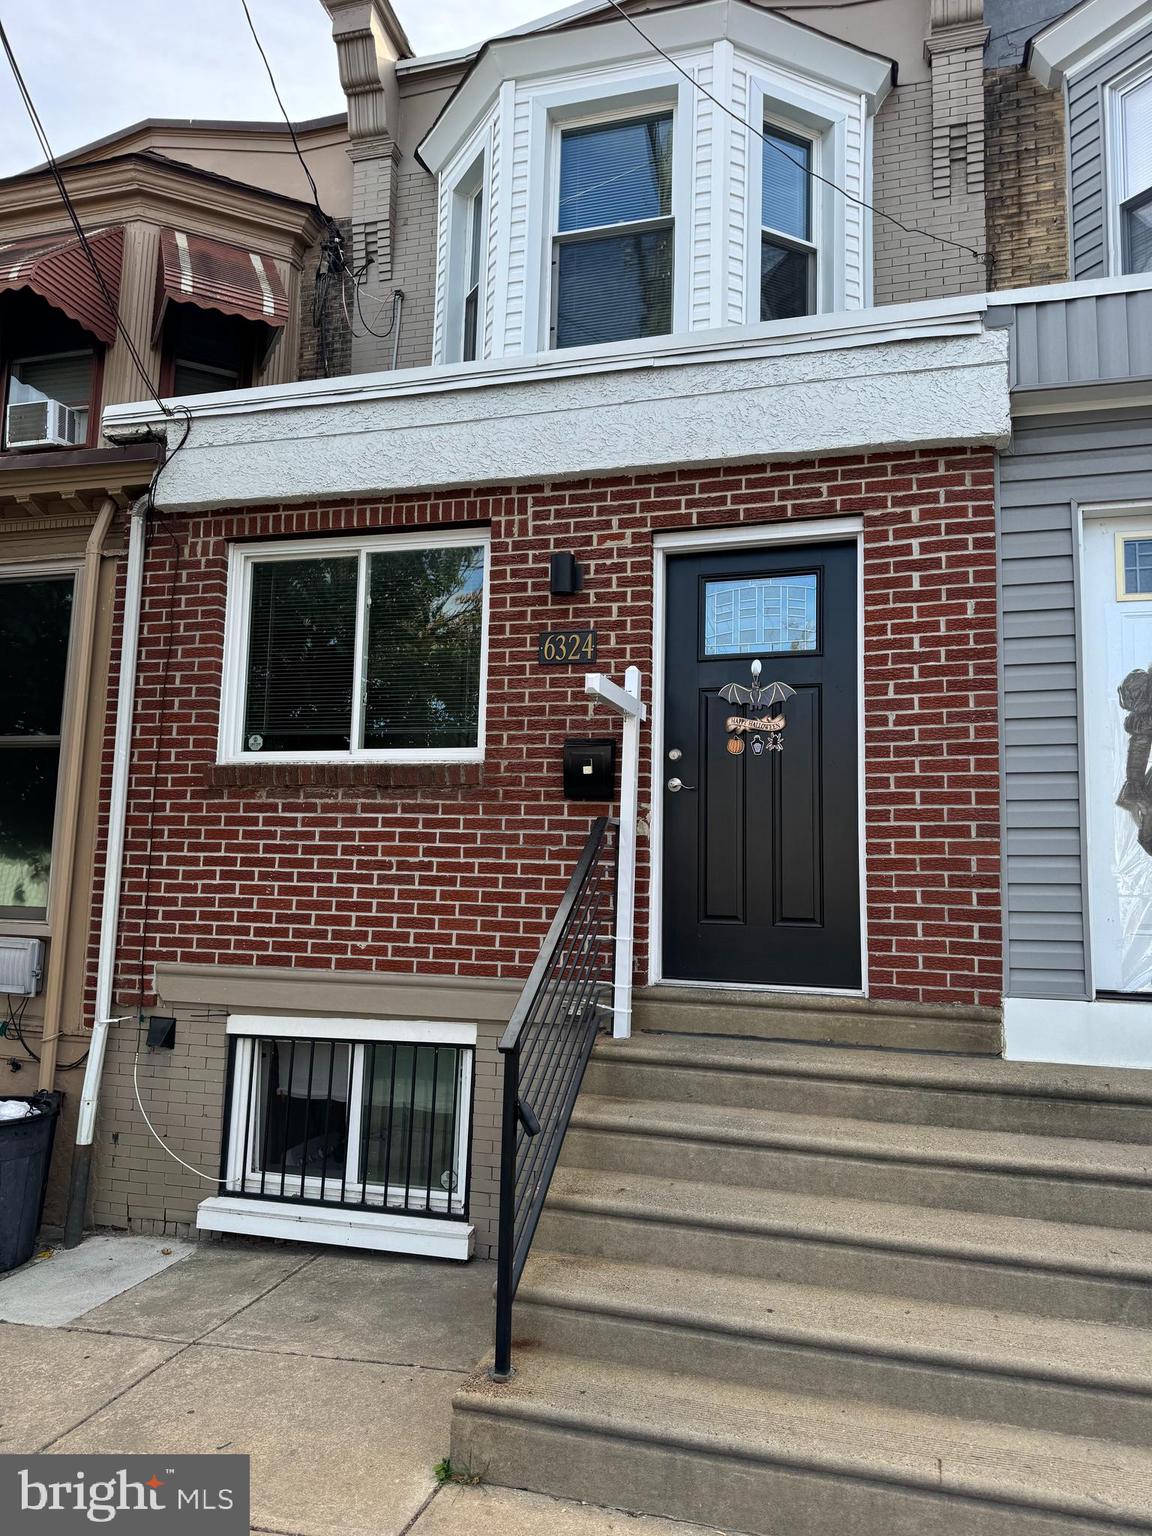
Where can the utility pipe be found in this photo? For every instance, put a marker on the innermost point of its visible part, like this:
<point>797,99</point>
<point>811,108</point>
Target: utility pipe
<point>113,869</point>
<point>68,806</point>
<point>628,703</point>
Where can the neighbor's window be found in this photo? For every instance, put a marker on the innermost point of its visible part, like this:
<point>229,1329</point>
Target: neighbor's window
<point>373,649</point>
<point>35,623</point>
<point>787,251</point>
<point>36,382</point>
<point>612,256</point>
<point>1135,176</point>
<point>205,351</point>
<point>473,255</point>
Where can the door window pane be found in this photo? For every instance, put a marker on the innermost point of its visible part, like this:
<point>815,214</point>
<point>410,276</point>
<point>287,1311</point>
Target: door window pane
<point>1137,566</point>
<point>785,281</point>
<point>616,173</point>
<point>425,621</point>
<point>787,201</point>
<point>760,613</point>
<point>35,623</point>
<point>301,655</point>
<point>413,1143</point>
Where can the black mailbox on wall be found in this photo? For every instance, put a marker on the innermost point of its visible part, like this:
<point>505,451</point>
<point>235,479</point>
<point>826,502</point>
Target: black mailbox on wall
<point>590,769</point>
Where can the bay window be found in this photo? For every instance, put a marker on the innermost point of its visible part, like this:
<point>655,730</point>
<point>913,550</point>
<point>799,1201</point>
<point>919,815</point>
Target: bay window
<point>787,250</point>
<point>35,626</point>
<point>1134,175</point>
<point>66,377</point>
<point>612,253</point>
<point>369,648</point>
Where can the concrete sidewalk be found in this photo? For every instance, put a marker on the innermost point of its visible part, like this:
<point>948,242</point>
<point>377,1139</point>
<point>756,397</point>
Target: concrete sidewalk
<point>334,1371</point>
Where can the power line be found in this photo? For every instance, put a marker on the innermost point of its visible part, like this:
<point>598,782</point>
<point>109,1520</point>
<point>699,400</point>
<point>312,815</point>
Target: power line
<point>283,112</point>
<point>908,229</point>
<point>74,219</point>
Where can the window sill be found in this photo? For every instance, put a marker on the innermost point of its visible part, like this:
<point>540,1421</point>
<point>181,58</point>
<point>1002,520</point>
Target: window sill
<point>351,775</point>
<point>384,1231</point>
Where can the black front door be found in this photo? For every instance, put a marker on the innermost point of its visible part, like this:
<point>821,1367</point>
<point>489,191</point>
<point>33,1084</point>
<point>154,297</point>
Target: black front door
<point>761,854</point>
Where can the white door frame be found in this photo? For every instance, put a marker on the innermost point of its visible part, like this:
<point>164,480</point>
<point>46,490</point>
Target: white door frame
<point>1138,511</point>
<point>846,530</point>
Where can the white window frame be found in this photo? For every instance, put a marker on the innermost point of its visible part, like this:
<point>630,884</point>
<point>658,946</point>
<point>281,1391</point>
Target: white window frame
<point>36,927</point>
<point>239,1179</point>
<point>243,557</point>
<point>465,185</point>
<point>604,114</point>
<point>792,129</point>
<point>1116,190</point>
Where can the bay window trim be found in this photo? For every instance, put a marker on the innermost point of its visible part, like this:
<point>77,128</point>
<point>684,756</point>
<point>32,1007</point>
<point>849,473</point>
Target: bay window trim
<point>1118,196</point>
<point>242,559</point>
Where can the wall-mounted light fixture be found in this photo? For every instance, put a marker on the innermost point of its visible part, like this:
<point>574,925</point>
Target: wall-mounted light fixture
<point>566,578</point>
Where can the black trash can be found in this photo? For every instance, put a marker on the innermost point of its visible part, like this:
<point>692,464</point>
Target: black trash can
<point>25,1152</point>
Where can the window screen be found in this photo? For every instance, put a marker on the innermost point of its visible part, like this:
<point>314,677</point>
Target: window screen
<point>617,283</point>
<point>35,623</point>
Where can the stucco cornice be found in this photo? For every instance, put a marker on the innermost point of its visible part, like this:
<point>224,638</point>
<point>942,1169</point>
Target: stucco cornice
<point>902,377</point>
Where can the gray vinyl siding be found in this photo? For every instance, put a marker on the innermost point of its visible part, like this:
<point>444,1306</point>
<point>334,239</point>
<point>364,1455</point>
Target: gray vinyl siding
<point>1087,156</point>
<point>1055,464</point>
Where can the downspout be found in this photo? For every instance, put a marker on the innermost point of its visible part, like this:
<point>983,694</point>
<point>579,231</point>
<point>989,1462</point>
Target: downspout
<point>64,859</point>
<point>113,868</point>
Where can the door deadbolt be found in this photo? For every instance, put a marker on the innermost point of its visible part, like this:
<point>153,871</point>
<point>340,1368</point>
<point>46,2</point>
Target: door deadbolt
<point>675,755</point>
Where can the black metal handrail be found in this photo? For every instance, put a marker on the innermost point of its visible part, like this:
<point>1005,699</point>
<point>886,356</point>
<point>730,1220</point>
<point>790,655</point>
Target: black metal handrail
<point>545,1050</point>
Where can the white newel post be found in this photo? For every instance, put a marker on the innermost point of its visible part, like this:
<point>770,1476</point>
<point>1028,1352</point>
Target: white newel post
<point>628,703</point>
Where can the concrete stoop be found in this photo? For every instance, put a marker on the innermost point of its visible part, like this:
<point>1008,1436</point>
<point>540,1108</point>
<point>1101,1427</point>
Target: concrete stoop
<point>787,1289</point>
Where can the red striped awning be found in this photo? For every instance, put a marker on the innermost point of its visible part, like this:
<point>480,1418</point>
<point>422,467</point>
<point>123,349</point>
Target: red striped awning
<point>214,275</point>
<point>55,267</point>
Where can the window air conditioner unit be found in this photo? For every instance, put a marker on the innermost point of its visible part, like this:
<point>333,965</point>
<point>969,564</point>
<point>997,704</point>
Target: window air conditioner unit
<point>41,424</point>
<point>21,966</point>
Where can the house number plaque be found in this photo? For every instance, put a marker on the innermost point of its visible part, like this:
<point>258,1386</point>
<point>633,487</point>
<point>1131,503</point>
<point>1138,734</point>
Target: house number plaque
<point>567,647</point>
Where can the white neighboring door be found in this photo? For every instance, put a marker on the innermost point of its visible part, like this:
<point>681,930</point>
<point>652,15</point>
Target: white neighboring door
<point>1117,626</point>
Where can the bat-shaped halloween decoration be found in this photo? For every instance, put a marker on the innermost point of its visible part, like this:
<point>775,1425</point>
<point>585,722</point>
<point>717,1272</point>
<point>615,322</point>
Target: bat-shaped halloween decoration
<point>771,693</point>
<point>756,696</point>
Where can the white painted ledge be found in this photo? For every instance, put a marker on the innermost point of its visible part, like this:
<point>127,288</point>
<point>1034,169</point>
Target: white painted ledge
<point>1100,1033</point>
<point>387,1232</point>
<point>881,380</point>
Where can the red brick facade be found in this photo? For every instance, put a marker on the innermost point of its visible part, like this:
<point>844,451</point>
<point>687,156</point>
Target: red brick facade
<point>455,871</point>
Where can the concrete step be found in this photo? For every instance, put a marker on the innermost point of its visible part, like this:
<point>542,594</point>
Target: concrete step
<point>1051,1268</point>
<point>782,1464</point>
<point>827,1020</point>
<point>1095,1103</point>
<point>1005,1367</point>
<point>1062,1178</point>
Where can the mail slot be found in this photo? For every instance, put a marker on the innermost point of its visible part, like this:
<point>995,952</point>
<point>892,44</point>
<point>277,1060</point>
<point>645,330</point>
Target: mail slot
<point>590,770</point>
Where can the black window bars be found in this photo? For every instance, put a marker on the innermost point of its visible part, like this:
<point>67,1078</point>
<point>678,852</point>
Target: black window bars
<point>545,1049</point>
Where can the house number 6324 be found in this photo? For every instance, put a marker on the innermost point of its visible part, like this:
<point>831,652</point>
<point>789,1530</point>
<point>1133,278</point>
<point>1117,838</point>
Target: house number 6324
<point>567,647</point>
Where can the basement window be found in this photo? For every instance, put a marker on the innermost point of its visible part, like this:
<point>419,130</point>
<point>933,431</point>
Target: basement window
<point>368,649</point>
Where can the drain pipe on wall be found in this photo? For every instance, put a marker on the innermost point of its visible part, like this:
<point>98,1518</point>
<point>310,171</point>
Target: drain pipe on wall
<point>113,868</point>
<point>628,703</point>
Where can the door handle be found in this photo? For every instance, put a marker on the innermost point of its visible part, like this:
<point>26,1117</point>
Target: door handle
<point>676,785</point>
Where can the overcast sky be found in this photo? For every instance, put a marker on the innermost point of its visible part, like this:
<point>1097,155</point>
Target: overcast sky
<point>93,66</point>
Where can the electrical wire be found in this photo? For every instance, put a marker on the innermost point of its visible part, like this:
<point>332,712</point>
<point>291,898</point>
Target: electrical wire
<point>397,295</point>
<point>74,219</point>
<point>13,1028</point>
<point>908,229</point>
<point>212,1178</point>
